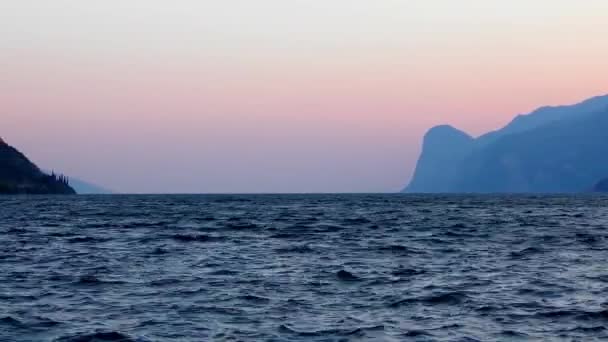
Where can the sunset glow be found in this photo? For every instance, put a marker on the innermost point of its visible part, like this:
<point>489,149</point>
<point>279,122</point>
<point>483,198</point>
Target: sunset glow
<point>275,95</point>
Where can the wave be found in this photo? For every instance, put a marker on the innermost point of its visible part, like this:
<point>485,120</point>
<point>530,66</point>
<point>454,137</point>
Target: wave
<point>356,221</point>
<point>304,249</point>
<point>159,251</point>
<point>514,334</point>
<point>223,272</point>
<point>91,279</point>
<point>242,226</point>
<point>287,236</point>
<point>284,328</point>
<point>327,228</point>
<point>112,336</point>
<point>526,252</point>
<point>34,323</point>
<point>449,298</point>
<point>256,299</point>
<point>574,314</point>
<point>407,272</point>
<point>164,282</point>
<point>417,333</point>
<point>11,321</point>
<point>586,330</point>
<point>346,276</point>
<point>399,249</point>
<point>589,239</point>
<point>86,239</point>
<point>197,238</point>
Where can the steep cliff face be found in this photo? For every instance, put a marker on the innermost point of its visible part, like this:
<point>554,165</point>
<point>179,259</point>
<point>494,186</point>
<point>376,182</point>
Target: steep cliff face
<point>553,149</point>
<point>442,149</point>
<point>18,175</point>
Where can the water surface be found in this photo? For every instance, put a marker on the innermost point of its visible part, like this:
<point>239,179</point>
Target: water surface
<point>304,268</point>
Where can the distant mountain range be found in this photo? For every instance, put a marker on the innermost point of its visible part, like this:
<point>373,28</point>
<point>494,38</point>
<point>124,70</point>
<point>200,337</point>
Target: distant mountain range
<point>86,188</point>
<point>553,149</point>
<point>18,175</point>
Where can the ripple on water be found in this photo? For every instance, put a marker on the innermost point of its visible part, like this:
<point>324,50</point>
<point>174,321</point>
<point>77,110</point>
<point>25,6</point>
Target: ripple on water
<point>303,268</point>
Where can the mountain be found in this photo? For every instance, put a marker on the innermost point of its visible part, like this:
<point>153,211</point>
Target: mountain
<point>86,188</point>
<point>545,115</point>
<point>553,149</point>
<point>442,147</point>
<point>601,186</point>
<point>18,175</point>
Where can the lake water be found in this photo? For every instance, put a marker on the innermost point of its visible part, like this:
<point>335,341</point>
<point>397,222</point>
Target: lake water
<point>304,268</point>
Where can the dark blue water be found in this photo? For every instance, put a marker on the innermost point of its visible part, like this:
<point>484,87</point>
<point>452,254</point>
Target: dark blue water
<point>304,268</point>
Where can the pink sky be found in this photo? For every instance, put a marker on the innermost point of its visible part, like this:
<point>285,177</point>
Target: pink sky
<point>279,96</point>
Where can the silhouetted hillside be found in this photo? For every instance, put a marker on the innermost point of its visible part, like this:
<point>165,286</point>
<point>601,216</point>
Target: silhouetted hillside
<point>18,175</point>
<point>553,149</point>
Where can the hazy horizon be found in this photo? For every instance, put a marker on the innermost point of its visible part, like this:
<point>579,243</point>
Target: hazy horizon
<point>274,96</point>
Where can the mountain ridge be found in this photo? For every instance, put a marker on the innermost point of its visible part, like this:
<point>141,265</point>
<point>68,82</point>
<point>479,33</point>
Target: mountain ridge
<point>472,168</point>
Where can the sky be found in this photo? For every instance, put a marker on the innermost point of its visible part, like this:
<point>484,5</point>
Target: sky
<point>240,96</point>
